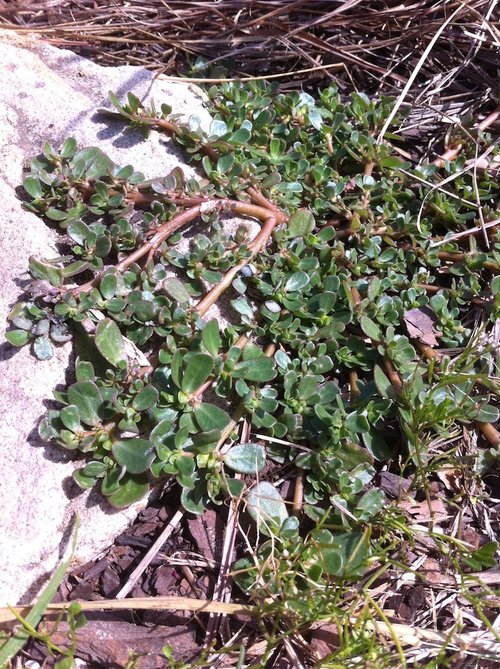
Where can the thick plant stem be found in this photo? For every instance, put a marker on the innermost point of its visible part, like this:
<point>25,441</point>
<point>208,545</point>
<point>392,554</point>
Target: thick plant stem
<point>270,218</point>
<point>490,432</point>
<point>258,243</point>
<point>298,493</point>
<point>164,232</point>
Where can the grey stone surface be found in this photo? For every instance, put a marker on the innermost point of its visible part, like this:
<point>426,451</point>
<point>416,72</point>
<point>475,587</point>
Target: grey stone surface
<point>50,94</point>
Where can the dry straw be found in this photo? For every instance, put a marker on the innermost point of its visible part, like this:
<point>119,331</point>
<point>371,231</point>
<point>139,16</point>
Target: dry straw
<point>366,45</point>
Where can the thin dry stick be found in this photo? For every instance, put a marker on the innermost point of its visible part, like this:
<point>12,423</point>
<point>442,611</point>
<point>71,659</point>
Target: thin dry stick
<point>140,603</point>
<point>414,74</point>
<point>279,75</point>
<point>298,493</point>
<point>466,233</point>
<point>453,152</point>
<point>222,590</point>
<point>150,555</point>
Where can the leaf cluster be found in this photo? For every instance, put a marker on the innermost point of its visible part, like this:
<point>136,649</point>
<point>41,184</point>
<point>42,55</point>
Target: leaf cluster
<point>318,356</point>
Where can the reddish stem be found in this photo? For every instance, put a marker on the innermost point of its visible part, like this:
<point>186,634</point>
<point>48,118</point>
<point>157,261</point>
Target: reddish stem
<point>453,152</point>
<point>163,232</point>
<point>490,432</point>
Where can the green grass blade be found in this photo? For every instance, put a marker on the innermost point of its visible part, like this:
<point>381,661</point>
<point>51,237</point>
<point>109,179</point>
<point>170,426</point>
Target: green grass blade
<point>19,638</point>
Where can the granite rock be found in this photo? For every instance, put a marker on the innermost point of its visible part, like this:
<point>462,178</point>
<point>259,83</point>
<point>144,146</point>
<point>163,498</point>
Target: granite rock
<point>51,94</point>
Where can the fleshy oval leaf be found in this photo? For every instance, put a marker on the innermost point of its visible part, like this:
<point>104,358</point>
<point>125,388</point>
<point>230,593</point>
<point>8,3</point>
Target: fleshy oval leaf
<point>135,455</point>
<point>197,372</point>
<point>246,458</point>
<point>131,489</point>
<point>109,342</point>
<point>266,506</point>
<point>87,397</point>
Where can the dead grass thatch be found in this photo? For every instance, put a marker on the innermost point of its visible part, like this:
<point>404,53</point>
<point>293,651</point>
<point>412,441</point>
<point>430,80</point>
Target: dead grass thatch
<point>370,45</point>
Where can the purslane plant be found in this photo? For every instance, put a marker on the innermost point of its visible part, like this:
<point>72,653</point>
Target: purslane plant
<point>346,306</point>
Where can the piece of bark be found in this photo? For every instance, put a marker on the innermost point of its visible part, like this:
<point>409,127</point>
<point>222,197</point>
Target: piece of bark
<point>422,512</point>
<point>84,591</point>
<point>324,641</point>
<point>432,574</point>
<point>110,583</point>
<point>164,580</point>
<point>95,570</point>
<point>394,485</point>
<point>413,601</point>
<point>112,643</point>
<point>207,532</point>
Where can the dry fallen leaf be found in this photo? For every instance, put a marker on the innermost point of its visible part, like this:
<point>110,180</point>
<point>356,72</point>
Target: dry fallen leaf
<point>421,512</point>
<point>421,325</point>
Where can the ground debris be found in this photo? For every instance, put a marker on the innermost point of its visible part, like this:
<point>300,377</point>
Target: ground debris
<point>113,643</point>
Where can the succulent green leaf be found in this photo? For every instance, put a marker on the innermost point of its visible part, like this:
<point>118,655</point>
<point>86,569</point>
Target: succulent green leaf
<point>69,148</point>
<point>176,366</point>
<point>370,504</point>
<point>258,369</point>
<point>243,307</point>
<point>102,246</point>
<point>109,342</point>
<point>95,469</point>
<point>176,289</point>
<point>488,414</point>
<point>135,455</point>
<point>115,102</point>
<point>210,417</point>
<point>205,442</point>
<point>241,136</point>
<point>75,268</point>
<point>111,480</point>
<point>109,284</point>
<point>235,487</point>
<point>393,162</point>
<point>218,128</point>
<point>42,348</point>
<point>356,422</point>
<point>246,458</point>
<point>370,328</point>
<point>211,337</point>
<point>162,430</point>
<point>144,310</point>
<point>301,223</point>
<point>56,214</point>
<point>266,506</point>
<point>84,481</point>
<point>297,281</point>
<point>197,372</point>
<point>145,398</point>
<point>33,187</point>
<point>50,425</point>
<point>17,337</point>
<point>384,386</point>
<point>87,397</point>
<point>84,371</point>
<point>130,490</point>
<point>196,499</point>
<point>483,557</point>
<point>70,417</point>
<point>45,271</point>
